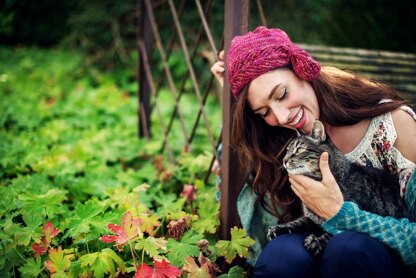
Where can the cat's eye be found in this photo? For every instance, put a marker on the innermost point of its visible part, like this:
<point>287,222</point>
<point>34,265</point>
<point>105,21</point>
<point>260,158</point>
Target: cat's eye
<point>300,149</point>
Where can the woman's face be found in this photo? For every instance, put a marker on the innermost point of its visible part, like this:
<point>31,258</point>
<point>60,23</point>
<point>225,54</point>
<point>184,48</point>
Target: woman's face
<point>283,99</point>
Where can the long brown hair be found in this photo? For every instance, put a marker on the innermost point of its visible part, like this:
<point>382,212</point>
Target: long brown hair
<point>344,99</point>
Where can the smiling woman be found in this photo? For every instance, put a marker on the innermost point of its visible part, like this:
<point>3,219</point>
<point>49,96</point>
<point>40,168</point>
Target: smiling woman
<point>284,99</point>
<point>281,89</point>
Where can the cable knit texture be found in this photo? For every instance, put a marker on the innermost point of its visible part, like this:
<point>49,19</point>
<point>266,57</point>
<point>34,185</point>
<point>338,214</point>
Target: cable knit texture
<point>399,234</point>
<point>263,50</point>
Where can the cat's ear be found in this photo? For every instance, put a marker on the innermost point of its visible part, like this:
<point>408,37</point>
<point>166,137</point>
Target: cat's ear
<point>298,134</point>
<point>318,132</point>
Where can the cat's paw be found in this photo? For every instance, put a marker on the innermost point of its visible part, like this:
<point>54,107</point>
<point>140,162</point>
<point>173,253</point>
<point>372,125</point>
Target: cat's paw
<point>314,245</point>
<point>275,231</point>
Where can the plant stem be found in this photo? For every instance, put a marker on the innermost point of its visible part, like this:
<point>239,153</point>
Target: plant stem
<point>132,253</point>
<point>20,254</point>
<point>88,249</point>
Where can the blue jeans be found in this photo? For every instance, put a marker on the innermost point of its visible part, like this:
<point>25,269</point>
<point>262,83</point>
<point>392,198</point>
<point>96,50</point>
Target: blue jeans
<point>347,254</point>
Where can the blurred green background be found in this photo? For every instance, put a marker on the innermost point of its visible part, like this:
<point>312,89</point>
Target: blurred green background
<point>106,30</point>
<point>103,35</point>
<point>68,102</point>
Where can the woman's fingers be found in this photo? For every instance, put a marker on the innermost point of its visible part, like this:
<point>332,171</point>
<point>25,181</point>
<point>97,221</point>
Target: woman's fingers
<point>217,70</point>
<point>324,198</point>
<point>221,55</point>
<point>327,177</point>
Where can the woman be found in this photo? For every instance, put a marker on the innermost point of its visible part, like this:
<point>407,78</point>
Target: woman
<point>279,88</point>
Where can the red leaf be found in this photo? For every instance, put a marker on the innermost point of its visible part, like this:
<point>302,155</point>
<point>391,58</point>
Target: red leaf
<point>40,248</point>
<point>161,270</point>
<point>143,271</point>
<point>48,234</point>
<point>128,230</point>
<point>188,191</point>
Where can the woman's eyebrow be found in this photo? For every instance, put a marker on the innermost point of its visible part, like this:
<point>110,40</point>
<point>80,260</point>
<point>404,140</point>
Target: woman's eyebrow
<point>273,91</point>
<point>271,94</point>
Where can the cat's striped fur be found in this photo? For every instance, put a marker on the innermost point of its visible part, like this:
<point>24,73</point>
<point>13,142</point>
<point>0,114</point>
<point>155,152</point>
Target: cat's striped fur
<point>373,190</point>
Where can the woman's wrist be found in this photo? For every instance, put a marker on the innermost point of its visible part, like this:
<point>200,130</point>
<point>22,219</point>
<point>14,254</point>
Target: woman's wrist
<point>333,210</point>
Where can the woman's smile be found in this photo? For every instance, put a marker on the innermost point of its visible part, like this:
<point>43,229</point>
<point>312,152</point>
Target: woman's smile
<point>299,119</point>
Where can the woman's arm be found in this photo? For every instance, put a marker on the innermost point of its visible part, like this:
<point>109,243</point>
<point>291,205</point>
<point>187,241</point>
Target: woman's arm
<point>325,199</point>
<point>405,127</point>
<point>398,234</point>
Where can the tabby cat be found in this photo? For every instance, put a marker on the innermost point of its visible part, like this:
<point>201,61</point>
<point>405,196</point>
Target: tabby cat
<point>373,190</point>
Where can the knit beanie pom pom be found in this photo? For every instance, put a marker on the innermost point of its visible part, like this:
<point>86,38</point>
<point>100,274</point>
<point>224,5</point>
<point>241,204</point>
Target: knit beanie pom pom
<point>303,64</point>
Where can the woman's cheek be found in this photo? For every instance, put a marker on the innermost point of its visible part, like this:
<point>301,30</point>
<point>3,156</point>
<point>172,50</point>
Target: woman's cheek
<point>271,120</point>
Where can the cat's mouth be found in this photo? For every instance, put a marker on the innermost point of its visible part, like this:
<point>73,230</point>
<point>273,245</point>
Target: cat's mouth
<point>297,170</point>
<point>305,171</point>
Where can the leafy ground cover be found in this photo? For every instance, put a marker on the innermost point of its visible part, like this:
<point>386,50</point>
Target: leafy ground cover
<point>82,196</point>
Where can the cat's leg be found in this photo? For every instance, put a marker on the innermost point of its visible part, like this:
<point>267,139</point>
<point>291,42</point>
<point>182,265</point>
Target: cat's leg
<point>316,244</point>
<point>300,225</point>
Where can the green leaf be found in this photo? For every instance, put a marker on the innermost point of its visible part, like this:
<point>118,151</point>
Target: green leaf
<point>102,263</point>
<point>186,247</point>
<point>58,262</point>
<point>126,200</point>
<point>49,204</point>
<point>88,218</point>
<point>238,245</point>
<point>151,245</point>
<point>208,217</point>
<point>31,268</point>
<point>234,272</point>
<point>24,235</point>
<point>168,203</point>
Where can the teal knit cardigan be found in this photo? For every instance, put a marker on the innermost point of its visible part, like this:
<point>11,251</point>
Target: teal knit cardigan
<point>397,234</point>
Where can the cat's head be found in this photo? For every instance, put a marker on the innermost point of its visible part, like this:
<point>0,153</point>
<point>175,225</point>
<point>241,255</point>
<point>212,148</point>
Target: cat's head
<point>303,153</point>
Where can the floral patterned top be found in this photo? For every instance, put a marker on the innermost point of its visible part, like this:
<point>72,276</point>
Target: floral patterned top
<point>377,149</point>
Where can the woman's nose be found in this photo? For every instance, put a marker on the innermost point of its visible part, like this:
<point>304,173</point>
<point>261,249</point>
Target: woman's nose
<point>281,113</point>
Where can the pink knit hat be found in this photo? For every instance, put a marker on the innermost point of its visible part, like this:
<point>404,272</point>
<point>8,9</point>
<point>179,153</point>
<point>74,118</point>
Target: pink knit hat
<point>264,50</point>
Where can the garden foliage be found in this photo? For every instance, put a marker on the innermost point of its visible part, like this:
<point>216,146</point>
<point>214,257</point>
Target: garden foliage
<point>82,195</point>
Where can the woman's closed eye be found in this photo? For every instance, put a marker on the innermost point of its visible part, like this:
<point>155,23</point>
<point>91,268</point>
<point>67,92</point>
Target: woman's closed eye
<point>265,113</point>
<point>280,98</point>
<point>283,96</point>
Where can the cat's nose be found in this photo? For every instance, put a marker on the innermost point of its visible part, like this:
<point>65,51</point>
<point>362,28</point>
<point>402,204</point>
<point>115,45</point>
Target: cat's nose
<point>285,159</point>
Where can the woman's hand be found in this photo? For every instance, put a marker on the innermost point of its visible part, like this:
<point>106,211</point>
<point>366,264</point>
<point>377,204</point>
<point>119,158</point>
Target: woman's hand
<point>218,68</point>
<point>324,198</point>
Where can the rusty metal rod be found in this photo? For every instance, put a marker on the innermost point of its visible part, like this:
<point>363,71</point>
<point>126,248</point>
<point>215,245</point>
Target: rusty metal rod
<point>166,67</point>
<point>152,90</point>
<point>191,70</point>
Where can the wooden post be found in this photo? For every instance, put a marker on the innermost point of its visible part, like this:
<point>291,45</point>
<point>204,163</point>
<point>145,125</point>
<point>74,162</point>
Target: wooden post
<point>235,23</point>
<point>145,35</point>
